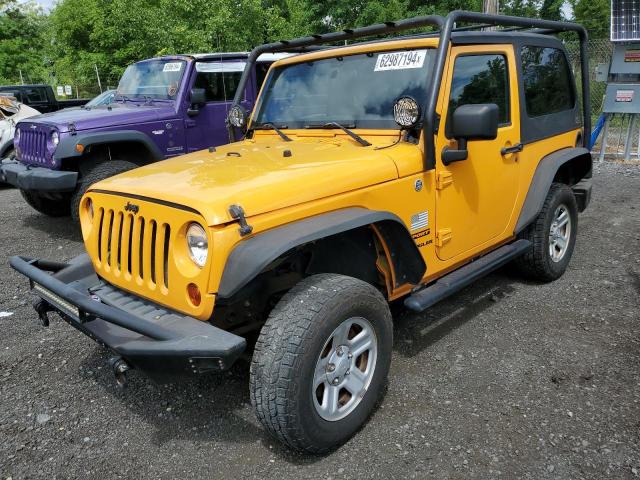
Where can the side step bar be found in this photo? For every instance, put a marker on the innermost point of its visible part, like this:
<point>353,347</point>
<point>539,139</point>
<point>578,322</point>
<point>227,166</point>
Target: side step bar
<point>457,280</point>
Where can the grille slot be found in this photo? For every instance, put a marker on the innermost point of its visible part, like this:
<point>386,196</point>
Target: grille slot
<point>133,247</point>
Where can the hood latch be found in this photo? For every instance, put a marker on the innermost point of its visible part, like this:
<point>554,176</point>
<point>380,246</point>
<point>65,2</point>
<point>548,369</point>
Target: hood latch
<point>237,213</point>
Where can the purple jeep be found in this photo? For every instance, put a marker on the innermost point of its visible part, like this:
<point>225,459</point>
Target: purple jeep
<point>164,107</point>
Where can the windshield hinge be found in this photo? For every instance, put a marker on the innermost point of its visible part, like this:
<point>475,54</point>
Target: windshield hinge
<point>237,213</point>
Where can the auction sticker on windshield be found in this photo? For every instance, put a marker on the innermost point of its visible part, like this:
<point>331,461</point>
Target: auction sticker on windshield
<point>400,60</point>
<point>172,67</point>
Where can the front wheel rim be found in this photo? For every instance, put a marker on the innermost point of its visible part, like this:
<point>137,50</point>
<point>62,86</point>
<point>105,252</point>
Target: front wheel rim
<point>344,369</point>
<point>559,233</point>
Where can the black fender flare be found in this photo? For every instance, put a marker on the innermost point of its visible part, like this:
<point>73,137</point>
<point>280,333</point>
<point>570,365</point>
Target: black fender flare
<point>253,255</point>
<point>543,178</point>
<point>67,146</point>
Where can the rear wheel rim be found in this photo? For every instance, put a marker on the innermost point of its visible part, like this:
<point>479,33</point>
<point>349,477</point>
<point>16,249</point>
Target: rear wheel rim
<point>344,369</point>
<point>559,233</point>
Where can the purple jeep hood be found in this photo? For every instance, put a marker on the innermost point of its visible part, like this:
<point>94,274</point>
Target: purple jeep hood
<point>118,114</point>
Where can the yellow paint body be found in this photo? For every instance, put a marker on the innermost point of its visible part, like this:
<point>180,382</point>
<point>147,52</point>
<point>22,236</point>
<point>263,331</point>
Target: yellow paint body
<point>473,205</point>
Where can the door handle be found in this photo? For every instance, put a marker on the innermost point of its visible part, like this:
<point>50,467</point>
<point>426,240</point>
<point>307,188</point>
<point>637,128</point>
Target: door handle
<point>513,149</point>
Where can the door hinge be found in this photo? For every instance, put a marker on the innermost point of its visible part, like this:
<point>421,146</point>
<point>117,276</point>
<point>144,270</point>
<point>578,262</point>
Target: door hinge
<point>443,236</point>
<point>443,179</point>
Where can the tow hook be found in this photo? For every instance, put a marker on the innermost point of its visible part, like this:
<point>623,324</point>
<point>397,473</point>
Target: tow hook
<point>120,368</point>
<point>42,308</point>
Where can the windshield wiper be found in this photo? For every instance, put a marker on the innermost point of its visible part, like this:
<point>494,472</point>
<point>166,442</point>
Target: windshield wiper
<point>271,126</point>
<point>345,129</point>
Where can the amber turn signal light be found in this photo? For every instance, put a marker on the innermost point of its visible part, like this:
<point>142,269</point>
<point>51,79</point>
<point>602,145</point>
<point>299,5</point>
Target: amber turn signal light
<point>194,294</point>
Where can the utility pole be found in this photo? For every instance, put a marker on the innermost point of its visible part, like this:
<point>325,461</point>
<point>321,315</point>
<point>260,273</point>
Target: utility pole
<point>21,78</point>
<point>490,6</point>
<point>98,75</point>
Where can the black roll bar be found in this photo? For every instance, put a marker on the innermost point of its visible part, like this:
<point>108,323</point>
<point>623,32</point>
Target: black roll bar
<point>445,25</point>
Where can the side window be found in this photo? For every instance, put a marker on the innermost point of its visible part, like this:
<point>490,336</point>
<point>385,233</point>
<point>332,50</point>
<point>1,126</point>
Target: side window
<point>480,79</point>
<point>218,86</point>
<point>547,81</point>
<point>35,95</point>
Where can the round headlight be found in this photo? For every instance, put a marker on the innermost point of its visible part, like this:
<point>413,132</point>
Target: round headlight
<point>198,244</point>
<point>237,116</point>
<point>55,139</point>
<point>406,112</point>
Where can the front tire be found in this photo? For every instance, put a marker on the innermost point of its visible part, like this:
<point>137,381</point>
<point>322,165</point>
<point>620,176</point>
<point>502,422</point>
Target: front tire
<point>98,172</point>
<point>552,235</point>
<point>48,206</point>
<point>321,362</point>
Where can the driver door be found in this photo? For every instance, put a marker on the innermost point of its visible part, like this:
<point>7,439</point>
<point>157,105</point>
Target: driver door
<point>476,197</point>
<point>219,80</point>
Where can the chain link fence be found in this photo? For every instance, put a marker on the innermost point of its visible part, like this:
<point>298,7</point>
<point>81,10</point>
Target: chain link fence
<point>600,52</point>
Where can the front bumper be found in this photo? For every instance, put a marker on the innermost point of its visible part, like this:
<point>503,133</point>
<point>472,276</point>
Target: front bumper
<point>162,343</point>
<point>37,178</point>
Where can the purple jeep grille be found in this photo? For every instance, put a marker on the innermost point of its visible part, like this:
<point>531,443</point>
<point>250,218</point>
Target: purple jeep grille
<point>33,145</point>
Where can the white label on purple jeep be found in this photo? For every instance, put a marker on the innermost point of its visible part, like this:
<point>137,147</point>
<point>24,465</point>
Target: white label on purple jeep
<point>400,60</point>
<point>172,67</point>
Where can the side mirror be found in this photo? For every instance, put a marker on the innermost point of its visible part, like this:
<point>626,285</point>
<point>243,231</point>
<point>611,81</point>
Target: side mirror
<point>198,98</point>
<point>471,122</point>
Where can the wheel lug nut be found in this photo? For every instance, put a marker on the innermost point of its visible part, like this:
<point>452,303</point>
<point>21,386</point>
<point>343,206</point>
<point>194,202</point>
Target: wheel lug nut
<point>350,355</point>
<point>331,367</point>
<point>347,372</point>
<point>336,381</point>
<point>339,351</point>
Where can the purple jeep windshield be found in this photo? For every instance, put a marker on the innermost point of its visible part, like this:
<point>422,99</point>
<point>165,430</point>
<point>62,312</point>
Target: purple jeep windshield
<point>357,91</point>
<point>157,79</point>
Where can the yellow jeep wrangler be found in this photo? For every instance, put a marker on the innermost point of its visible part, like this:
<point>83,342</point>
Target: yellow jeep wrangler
<point>406,167</point>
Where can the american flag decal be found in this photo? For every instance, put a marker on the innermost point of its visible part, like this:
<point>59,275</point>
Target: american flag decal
<point>419,220</point>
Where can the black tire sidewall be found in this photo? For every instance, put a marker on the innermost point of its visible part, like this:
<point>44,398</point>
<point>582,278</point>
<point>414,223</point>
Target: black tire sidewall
<point>561,196</point>
<point>96,173</point>
<point>327,434</point>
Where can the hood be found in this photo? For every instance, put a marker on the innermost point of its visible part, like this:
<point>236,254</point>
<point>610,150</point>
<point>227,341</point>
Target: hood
<point>106,116</point>
<point>260,177</point>
<point>9,118</point>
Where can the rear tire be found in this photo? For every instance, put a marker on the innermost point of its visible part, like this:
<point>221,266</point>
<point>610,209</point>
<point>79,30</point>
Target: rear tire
<point>47,206</point>
<point>304,364</point>
<point>552,235</point>
<point>95,174</point>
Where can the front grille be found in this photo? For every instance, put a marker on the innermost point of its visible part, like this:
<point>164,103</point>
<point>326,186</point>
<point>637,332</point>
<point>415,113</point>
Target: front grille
<point>133,248</point>
<point>33,146</point>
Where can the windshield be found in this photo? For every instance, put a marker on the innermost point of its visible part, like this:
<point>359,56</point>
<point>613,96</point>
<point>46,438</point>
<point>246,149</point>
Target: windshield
<point>105,98</point>
<point>157,79</point>
<point>357,91</point>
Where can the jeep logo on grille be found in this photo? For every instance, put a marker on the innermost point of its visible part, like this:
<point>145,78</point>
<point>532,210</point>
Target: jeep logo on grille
<point>131,207</point>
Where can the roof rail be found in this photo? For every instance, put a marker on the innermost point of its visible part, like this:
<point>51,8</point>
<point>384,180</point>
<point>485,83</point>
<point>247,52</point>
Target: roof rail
<point>445,26</point>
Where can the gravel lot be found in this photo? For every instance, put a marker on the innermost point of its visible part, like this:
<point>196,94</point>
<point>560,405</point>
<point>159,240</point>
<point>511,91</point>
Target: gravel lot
<point>506,380</point>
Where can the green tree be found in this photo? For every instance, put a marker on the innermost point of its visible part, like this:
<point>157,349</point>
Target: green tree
<point>594,15</point>
<point>22,41</point>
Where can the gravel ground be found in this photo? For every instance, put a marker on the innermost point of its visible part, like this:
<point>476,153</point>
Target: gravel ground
<point>506,380</point>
